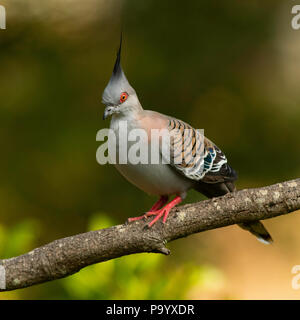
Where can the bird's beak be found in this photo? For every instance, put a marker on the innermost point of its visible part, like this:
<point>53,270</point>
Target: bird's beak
<point>107,112</point>
<point>110,110</point>
<point>105,115</point>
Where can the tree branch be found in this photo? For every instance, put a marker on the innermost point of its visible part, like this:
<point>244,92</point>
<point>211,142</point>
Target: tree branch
<point>67,256</point>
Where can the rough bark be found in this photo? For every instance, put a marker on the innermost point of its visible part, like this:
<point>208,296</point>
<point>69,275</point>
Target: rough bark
<point>67,256</point>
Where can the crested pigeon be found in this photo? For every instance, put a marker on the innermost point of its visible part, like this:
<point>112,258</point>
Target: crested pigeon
<point>211,174</point>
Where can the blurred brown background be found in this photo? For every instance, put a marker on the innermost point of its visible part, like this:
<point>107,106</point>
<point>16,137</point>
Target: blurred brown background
<point>229,67</point>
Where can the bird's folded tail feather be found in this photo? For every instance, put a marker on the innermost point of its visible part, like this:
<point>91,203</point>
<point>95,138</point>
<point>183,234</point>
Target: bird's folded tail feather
<point>258,230</point>
<point>219,189</point>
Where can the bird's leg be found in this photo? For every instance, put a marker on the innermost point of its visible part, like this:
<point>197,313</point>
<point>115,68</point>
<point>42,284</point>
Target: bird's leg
<point>157,205</point>
<point>164,211</point>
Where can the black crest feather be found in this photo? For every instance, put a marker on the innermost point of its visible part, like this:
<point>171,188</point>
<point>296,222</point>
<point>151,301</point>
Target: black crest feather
<point>117,66</point>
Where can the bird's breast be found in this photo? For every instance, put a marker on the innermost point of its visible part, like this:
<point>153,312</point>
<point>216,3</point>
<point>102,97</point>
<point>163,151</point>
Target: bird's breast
<point>158,179</point>
<point>153,178</point>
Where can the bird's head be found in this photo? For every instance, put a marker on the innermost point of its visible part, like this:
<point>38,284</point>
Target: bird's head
<point>119,97</point>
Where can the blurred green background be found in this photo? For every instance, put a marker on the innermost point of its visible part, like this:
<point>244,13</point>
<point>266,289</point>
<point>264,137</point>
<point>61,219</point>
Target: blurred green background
<point>230,67</point>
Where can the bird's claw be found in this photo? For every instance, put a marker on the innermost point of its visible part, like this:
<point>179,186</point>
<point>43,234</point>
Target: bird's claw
<point>163,212</point>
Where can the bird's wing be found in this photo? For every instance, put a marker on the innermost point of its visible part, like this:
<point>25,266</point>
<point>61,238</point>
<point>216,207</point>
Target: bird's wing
<point>195,156</point>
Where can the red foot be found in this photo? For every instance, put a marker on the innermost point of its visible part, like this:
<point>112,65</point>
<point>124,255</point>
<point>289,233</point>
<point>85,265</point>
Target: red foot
<point>157,211</point>
<point>157,205</point>
<point>164,211</point>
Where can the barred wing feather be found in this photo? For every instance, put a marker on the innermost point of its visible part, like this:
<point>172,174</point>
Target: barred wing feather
<point>195,156</point>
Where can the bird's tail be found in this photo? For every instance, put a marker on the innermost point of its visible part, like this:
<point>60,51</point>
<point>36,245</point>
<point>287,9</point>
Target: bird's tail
<point>220,189</point>
<point>258,230</point>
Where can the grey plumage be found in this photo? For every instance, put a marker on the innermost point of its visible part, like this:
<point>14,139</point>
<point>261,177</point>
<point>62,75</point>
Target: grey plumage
<point>118,83</point>
<point>203,167</point>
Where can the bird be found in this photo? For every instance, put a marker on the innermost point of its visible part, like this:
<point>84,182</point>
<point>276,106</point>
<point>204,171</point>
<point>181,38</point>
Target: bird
<point>208,172</point>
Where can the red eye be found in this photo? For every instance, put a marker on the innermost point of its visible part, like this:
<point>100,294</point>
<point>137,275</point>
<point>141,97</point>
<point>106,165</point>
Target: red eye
<point>123,97</point>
